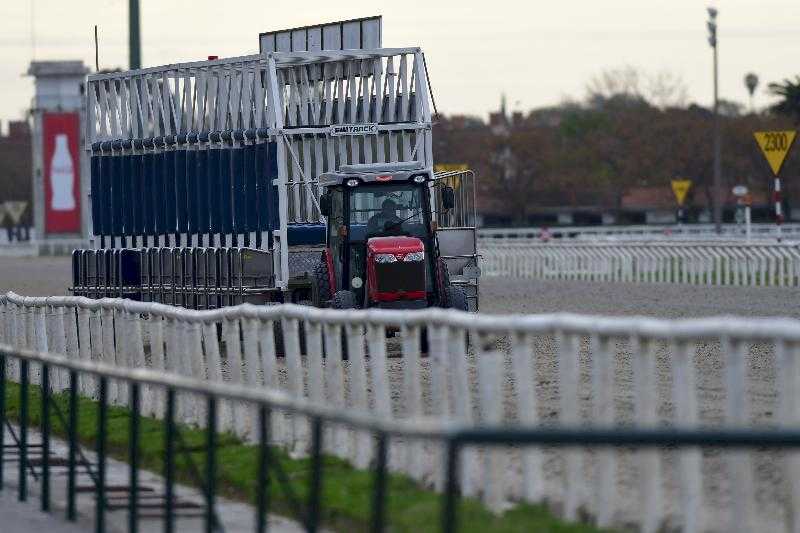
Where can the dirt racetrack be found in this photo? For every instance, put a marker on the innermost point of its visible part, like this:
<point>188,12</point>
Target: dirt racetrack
<point>48,276</point>
<point>51,276</point>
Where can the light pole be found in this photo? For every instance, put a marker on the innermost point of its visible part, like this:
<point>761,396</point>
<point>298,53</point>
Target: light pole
<point>751,82</point>
<point>717,200</point>
<point>134,40</point>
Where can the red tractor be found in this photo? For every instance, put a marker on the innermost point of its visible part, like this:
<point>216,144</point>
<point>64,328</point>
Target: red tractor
<point>384,247</point>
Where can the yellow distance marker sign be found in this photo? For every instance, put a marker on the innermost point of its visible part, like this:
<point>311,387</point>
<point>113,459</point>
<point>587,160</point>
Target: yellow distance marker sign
<point>775,145</point>
<point>450,167</point>
<point>680,188</point>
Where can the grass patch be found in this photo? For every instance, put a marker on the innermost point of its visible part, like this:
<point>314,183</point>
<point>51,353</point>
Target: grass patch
<point>346,491</point>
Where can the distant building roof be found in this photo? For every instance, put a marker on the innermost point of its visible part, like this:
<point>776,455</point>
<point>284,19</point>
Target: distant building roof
<point>648,197</point>
<point>57,68</point>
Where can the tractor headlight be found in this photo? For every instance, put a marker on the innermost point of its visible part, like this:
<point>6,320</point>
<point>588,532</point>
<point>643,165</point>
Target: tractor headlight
<point>352,182</point>
<point>385,258</point>
<point>415,256</point>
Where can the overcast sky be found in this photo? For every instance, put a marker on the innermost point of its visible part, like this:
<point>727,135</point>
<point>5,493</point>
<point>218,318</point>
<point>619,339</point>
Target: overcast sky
<point>538,52</point>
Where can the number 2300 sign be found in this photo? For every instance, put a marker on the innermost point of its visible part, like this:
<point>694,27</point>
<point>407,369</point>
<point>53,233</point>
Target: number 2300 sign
<point>776,141</point>
<point>775,145</point>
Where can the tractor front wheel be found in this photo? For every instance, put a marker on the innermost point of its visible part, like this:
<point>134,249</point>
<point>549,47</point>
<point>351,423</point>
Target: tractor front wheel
<point>320,286</point>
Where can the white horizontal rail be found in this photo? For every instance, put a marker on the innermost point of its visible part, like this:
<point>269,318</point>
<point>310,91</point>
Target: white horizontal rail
<point>661,232</point>
<point>562,370</point>
<point>699,263</point>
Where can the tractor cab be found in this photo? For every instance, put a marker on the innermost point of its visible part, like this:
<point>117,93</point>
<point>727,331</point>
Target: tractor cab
<point>381,247</point>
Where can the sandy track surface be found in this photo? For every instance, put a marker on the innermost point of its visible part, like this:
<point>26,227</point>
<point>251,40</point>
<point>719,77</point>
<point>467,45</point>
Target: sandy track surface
<point>47,276</point>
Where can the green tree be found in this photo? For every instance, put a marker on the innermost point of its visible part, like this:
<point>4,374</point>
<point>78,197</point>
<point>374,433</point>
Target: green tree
<point>789,92</point>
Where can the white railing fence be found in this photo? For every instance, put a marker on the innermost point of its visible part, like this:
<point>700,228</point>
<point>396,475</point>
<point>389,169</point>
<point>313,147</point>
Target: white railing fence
<point>699,263</point>
<point>554,370</point>
<point>668,232</point>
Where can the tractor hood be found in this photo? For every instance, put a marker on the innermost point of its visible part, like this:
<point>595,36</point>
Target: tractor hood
<point>394,245</point>
<point>395,269</point>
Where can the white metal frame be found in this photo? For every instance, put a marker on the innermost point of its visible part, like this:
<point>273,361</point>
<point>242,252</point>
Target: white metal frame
<point>294,98</point>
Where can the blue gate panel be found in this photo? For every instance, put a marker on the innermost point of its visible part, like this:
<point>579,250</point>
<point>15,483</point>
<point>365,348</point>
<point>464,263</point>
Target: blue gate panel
<point>137,194</point>
<point>239,190</point>
<point>251,191</point>
<point>181,202</point>
<point>192,173</point>
<point>116,196</point>
<point>105,194</point>
<point>127,195</point>
<point>213,196</point>
<point>170,203</point>
<point>266,166</point>
<point>148,193</point>
<point>97,221</point>
<point>225,189</point>
<point>158,192</point>
<point>201,191</point>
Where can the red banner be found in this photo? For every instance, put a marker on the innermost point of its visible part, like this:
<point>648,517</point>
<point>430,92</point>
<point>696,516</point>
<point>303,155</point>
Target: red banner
<point>62,172</point>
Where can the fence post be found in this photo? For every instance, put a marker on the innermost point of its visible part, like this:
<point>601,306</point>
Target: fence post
<point>463,404</point>
<point>523,360</point>
<point>644,373</point>
<point>685,398</point>
<point>412,397</point>
<point>358,391</point>
<point>489,382</point>
<point>603,384</point>
<point>294,374</point>
<point>737,415</point>
<point>788,373</point>
<point>567,357</point>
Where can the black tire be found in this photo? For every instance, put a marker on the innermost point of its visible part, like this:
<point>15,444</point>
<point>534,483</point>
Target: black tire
<point>344,300</point>
<point>456,298</point>
<point>443,281</point>
<point>320,286</point>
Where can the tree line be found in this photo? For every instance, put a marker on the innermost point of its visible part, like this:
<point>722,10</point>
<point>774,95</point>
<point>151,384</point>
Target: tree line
<point>590,153</point>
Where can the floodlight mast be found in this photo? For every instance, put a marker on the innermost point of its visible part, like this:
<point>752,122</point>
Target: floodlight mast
<point>717,199</point>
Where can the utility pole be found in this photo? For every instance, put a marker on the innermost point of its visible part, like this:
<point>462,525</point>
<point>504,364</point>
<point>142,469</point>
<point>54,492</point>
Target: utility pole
<point>134,40</point>
<point>717,190</point>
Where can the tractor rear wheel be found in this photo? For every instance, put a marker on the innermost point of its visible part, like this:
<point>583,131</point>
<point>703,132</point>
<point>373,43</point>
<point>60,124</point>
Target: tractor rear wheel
<point>456,298</point>
<point>320,286</point>
<point>344,300</point>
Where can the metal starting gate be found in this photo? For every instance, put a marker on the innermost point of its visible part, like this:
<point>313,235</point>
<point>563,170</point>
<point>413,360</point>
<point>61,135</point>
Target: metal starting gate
<point>225,153</point>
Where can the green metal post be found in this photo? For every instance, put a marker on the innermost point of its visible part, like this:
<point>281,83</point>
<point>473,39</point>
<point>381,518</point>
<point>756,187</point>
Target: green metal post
<point>23,430</point>
<point>379,485</point>
<point>102,429</point>
<point>45,496</point>
<point>315,489</point>
<point>2,415</point>
<point>211,467</point>
<point>169,463</point>
<point>72,439</point>
<point>134,39</point>
<point>262,482</point>
<point>133,456</point>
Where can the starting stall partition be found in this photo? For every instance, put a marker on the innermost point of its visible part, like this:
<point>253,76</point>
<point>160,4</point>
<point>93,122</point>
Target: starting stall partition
<point>204,174</point>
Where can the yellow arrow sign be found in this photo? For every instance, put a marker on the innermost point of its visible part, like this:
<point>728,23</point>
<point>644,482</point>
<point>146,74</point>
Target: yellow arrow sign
<point>15,210</point>
<point>680,188</point>
<point>775,145</point>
